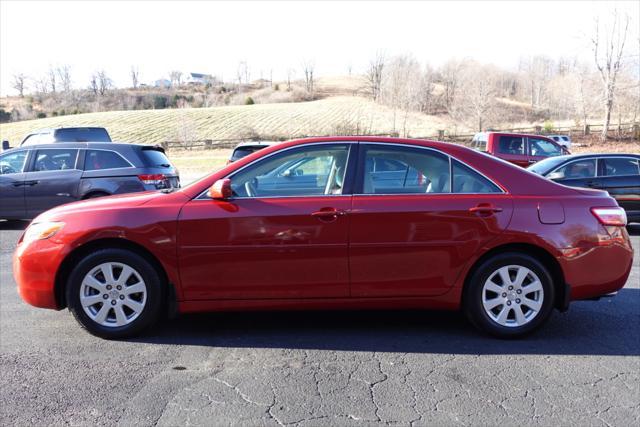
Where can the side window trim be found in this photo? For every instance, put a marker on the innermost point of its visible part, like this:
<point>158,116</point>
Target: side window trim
<point>346,189</point>
<point>25,164</point>
<point>35,155</point>
<point>564,165</point>
<point>86,153</point>
<point>357,191</point>
<point>604,160</point>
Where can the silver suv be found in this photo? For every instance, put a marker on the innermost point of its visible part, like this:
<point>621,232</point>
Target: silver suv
<point>36,178</point>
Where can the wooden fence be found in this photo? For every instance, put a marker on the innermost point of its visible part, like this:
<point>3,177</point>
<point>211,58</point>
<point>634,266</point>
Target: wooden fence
<point>615,130</point>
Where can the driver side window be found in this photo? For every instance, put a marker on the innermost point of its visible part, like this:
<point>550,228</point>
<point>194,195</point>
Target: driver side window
<point>306,171</point>
<point>12,162</point>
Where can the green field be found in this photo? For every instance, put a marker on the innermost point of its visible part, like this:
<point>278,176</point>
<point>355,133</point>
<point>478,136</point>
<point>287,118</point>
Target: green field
<point>341,114</point>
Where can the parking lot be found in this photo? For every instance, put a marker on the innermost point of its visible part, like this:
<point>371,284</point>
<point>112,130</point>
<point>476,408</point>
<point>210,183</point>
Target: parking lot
<point>338,368</point>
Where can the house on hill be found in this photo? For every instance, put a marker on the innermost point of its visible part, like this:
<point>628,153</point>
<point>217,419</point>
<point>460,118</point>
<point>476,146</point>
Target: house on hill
<point>198,78</point>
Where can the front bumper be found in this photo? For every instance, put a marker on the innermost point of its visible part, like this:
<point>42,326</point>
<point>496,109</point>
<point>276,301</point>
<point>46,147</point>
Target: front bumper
<point>35,266</point>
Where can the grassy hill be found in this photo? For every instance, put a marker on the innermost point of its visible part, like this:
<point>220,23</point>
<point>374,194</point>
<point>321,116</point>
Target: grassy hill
<point>333,115</point>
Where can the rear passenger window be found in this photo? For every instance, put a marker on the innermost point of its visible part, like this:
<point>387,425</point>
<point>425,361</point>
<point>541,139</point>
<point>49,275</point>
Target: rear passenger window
<point>55,160</point>
<point>100,159</point>
<point>620,166</point>
<point>511,145</point>
<point>466,180</point>
<point>403,170</point>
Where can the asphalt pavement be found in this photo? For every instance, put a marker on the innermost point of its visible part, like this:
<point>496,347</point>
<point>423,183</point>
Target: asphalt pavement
<point>320,368</point>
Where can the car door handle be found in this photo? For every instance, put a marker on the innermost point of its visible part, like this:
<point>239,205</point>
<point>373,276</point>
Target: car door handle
<point>485,209</point>
<point>328,213</point>
<point>593,184</point>
<point>31,183</point>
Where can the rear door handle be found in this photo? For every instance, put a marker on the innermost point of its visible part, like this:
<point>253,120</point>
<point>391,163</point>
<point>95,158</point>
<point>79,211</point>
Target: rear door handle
<point>594,184</point>
<point>328,213</point>
<point>31,183</point>
<point>486,209</point>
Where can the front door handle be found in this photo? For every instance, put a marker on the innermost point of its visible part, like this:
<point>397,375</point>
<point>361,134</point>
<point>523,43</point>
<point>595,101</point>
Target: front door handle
<point>594,184</point>
<point>31,183</point>
<point>328,214</point>
<point>485,208</point>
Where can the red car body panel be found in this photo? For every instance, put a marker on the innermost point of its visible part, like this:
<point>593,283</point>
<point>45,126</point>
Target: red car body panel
<point>397,251</point>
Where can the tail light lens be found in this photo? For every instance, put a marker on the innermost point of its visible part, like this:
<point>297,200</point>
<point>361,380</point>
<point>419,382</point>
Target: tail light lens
<point>159,180</point>
<point>616,217</point>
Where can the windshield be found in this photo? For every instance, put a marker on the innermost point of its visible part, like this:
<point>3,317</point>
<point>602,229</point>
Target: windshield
<point>82,135</point>
<point>241,152</point>
<point>544,166</point>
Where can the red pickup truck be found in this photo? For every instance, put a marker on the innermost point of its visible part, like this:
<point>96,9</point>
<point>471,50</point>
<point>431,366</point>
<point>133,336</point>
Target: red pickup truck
<point>520,149</point>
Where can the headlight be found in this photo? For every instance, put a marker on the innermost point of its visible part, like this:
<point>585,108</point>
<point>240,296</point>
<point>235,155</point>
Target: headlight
<point>42,230</point>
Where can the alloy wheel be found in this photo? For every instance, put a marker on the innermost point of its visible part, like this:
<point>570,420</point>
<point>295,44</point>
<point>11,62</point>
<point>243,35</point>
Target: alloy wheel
<point>512,296</point>
<point>113,294</point>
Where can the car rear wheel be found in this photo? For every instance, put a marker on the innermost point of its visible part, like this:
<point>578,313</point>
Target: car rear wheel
<point>114,293</point>
<point>509,295</point>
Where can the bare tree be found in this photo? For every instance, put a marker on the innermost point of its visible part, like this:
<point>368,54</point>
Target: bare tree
<point>64,74</point>
<point>93,84</point>
<point>176,78</point>
<point>104,82</point>
<point>538,71</point>
<point>290,74</point>
<point>19,83</point>
<point>51,75</point>
<point>42,85</point>
<point>475,100</point>
<point>374,75</point>
<point>308,68</point>
<point>450,74</point>
<point>608,57</point>
<point>135,75</point>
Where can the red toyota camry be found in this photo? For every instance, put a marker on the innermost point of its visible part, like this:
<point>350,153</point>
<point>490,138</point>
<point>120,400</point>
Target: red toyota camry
<point>332,223</point>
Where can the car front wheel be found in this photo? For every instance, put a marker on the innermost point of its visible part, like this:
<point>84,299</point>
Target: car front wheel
<point>114,293</point>
<point>509,295</point>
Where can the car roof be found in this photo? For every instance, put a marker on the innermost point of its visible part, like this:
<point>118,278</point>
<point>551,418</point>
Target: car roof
<point>62,145</point>
<point>528,135</point>
<point>589,155</point>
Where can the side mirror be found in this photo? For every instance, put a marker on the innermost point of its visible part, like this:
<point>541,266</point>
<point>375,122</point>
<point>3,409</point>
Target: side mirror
<point>5,145</point>
<point>556,175</point>
<point>221,190</point>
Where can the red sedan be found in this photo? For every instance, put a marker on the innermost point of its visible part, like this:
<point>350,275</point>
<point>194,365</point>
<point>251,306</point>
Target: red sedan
<point>332,223</point>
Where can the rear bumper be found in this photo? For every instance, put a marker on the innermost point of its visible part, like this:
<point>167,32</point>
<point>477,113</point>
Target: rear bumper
<point>597,271</point>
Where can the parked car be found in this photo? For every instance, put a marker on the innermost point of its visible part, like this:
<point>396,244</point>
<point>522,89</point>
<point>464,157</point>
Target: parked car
<point>520,149</point>
<point>66,134</point>
<point>245,148</point>
<point>563,140</point>
<point>618,174</point>
<point>460,230</point>
<point>39,177</point>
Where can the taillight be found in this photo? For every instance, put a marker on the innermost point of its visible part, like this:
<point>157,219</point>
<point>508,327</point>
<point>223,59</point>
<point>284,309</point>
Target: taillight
<point>616,217</point>
<point>158,179</point>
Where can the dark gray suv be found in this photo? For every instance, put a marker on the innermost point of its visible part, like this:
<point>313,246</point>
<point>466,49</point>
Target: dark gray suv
<point>36,178</point>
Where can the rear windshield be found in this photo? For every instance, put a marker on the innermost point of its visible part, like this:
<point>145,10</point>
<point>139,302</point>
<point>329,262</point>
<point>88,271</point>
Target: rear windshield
<point>155,158</point>
<point>241,152</point>
<point>82,135</point>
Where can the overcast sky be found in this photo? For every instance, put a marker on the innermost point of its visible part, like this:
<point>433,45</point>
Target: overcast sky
<point>212,37</point>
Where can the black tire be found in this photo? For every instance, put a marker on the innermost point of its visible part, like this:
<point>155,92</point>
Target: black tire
<point>473,295</point>
<point>154,293</point>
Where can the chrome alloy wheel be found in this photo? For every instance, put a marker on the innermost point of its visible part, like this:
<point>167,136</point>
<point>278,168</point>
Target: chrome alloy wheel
<point>113,294</point>
<point>512,296</point>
